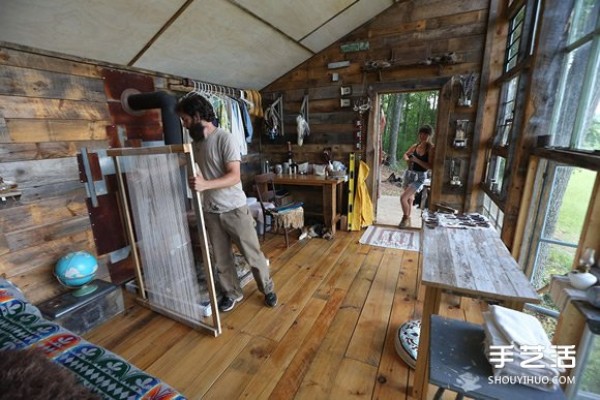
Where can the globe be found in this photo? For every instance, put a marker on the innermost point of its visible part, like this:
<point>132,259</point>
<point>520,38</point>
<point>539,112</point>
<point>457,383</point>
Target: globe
<point>77,270</point>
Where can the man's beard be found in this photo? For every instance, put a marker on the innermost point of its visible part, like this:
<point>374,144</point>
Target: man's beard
<point>196,132</point>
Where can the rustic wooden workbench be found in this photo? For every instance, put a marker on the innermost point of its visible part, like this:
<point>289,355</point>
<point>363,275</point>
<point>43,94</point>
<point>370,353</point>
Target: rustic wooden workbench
<point>471,262</point>
<point>332,193</point>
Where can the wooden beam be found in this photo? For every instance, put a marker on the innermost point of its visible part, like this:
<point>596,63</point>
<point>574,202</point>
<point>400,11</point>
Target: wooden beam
<point>583,159</point>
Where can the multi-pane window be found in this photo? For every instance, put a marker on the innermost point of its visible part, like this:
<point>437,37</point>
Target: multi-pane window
<point>576,122</point>
<point>512,82</point>
<point>560,214</point>
<point>495,176</point>
<point>564,188</point>
<point>506,113</point>
<point>493,213</point>
<point>515,34</point>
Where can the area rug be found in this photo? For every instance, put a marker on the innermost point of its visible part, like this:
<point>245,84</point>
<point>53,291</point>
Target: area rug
<point>391,237</point>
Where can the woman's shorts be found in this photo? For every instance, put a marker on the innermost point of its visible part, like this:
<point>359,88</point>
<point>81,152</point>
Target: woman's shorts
<point>414,179</point>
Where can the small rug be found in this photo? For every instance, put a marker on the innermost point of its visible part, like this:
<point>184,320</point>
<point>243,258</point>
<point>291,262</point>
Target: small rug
<point>391,237</point>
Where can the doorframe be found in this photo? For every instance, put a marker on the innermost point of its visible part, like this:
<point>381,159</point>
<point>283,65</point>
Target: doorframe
<point>373,147</point>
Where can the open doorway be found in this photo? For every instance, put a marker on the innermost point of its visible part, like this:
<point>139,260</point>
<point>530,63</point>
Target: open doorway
<point>401,116</point>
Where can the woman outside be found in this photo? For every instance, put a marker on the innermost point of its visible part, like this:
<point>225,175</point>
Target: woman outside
<point>419,157</point>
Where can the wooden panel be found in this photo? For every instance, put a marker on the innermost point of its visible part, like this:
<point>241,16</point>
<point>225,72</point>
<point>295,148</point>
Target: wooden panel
<point>369,335</point>
<point>27,82</point>
<point>354,379</point>
<point>37,193</point>
<point>37,234</point>
<point>473,262</point>
<point>49,130</point>
<point>44,150</point>
<point>46,211</point>
<point>437,8</point>
<point>242,368</point>
<point>24,107</point>
<point>31,60</point>
<point>40,172</point>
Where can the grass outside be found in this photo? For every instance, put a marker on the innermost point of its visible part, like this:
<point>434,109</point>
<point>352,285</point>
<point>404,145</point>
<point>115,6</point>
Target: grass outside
<point>571,218</point>
<point>559,259</point>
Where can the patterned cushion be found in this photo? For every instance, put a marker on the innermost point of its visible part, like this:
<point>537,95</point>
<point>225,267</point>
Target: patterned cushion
<point>407,341</point>
<point>105,373</point>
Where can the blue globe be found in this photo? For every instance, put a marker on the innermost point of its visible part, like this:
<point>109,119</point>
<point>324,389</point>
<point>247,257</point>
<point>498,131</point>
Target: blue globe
<point>76,270</point>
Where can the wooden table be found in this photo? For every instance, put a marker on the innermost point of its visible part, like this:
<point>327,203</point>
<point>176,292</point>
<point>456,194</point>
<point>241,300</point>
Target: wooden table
<point>332,196</point>
<point>471,262</point>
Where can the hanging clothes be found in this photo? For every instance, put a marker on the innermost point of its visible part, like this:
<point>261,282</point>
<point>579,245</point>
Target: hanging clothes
<point>363,206</point>
<point>231,115</point>
<point>256,99</point>
<point>237,126</point>
<point>246,121</point>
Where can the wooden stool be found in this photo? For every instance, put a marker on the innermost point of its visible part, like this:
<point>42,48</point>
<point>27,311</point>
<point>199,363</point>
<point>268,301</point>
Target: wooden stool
<point>458,363</point>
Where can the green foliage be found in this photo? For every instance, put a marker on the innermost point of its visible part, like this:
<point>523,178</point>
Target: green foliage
<point>574,205</point>
<point>592,138</point>
<point>590,382</point>
<point>419,108</point>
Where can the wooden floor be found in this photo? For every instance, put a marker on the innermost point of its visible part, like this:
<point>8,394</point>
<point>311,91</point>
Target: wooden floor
<point>330,337</point>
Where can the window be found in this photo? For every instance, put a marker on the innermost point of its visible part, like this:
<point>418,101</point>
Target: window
<point>559,210</point>
<point>495,177</point>
<point>512,84</point>
<point>576,122</point>
<point>506,113</point>
<point>493,213</point>
<point>515,33</point>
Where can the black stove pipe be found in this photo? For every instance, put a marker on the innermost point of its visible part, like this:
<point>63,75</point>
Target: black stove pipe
<point>134,101</point>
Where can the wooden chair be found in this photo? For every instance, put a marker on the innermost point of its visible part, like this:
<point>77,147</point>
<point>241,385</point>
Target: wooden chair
<point>269,198</point>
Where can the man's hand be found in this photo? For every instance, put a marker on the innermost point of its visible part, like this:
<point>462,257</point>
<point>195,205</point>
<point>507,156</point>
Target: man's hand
<point>197,183</point>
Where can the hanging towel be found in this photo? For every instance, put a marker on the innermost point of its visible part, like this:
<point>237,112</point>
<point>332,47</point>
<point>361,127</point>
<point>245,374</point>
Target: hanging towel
<point>363,207</point>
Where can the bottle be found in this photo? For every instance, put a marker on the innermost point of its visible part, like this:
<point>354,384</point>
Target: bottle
<point>293,165</point>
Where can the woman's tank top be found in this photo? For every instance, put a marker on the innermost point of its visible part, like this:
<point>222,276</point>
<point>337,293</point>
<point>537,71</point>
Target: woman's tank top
<point>425,158</point>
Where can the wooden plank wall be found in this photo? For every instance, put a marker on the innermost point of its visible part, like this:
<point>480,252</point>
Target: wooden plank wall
<point>49,109</point>
<point>408,32</point>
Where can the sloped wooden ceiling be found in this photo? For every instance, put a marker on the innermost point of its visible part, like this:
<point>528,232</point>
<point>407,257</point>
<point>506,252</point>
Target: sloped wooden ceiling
<point>240,43</point>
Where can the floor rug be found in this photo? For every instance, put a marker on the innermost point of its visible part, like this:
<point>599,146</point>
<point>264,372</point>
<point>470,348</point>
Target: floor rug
<point>391,237</point>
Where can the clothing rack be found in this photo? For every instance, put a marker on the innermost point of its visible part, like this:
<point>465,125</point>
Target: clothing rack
<point>212,88</point>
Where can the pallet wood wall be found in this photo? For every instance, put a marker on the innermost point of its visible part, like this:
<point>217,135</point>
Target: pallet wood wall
<point>408,32</point>
<point>50,108</point>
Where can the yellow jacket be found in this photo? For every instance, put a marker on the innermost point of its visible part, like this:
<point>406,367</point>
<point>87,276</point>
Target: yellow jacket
<point>363,206</point>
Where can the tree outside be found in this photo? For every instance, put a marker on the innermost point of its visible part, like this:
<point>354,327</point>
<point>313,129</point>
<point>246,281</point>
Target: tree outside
<point>404,113</point>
